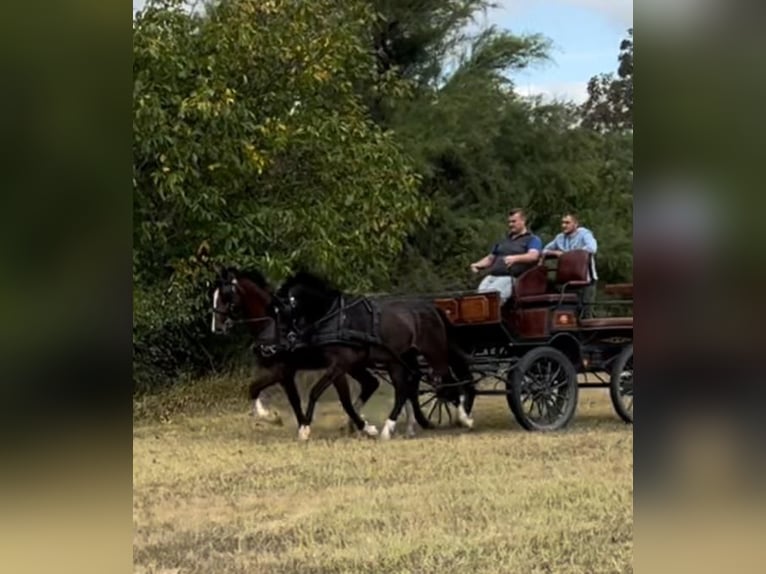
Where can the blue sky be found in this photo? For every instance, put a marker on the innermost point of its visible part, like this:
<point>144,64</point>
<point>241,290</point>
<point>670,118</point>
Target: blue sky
<point>585,34</point>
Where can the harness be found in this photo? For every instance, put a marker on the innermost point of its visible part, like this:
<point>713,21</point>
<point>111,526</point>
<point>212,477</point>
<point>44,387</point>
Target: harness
<point>275,345</point>
<point>336,327</point>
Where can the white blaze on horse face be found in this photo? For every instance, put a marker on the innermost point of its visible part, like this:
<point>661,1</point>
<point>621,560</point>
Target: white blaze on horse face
<point>214,324</point>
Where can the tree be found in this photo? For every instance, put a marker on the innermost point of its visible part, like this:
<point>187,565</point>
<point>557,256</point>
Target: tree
<point>610,100</point>
<point>252,140</point>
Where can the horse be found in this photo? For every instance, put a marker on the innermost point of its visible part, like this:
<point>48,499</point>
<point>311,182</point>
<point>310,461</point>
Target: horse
<point>391,334</point>
<point>245,297</point>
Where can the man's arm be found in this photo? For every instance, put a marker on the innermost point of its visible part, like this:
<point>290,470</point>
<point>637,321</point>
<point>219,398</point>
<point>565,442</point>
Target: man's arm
<point>591,245</point>
<point>553,247</point>
<point>483,263</point>
<point>486,261</point>
<point>531,256</point>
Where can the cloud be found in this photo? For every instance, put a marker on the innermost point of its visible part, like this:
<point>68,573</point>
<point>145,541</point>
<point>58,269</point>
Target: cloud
<point>576,92</point>
<point>618,12</point>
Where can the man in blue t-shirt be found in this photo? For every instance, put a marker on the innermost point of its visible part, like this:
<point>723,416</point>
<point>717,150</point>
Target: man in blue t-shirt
<point>574,236</point>
<point>510,257</point>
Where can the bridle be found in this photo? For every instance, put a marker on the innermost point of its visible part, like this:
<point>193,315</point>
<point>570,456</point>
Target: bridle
<point>273,315</point>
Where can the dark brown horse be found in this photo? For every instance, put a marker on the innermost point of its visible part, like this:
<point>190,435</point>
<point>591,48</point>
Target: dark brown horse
<point>356,331</point>
<point>245,297</point>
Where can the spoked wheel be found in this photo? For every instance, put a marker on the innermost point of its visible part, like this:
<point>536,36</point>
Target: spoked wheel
<point>435,405</point>
<point>543,390</point>
<point>621,384</point>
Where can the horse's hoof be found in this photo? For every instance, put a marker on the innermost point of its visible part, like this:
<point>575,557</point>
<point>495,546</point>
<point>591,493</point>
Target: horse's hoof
<point>304,432</point>
<point>466,423</point>
<point>370,431</point>
<point>388,429</point>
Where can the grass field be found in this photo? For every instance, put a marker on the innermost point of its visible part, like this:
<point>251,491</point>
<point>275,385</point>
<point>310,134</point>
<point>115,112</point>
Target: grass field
<point>215,491</point>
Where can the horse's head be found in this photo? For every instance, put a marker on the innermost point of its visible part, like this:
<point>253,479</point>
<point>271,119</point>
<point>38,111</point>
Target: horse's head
<point>242,297</point>
<point>308,296</point>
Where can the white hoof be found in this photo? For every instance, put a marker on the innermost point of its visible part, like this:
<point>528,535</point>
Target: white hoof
<point>463,417</point>
<point>411,432</point>
<point>388,429</point>
<point>304,432</point>
<point>259,411</point>
<point>465,422</point>
<point>370,430</point>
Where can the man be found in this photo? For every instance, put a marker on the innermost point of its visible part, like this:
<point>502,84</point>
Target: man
<point>510,257</point>
<point>573,236</point>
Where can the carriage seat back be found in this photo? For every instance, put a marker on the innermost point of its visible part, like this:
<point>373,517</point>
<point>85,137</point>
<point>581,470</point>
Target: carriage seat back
<point>531,287</point>
<point>573,268</point>
<point>532,282</point>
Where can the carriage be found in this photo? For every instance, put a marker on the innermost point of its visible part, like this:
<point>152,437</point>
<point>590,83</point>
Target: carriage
<point>539,348</point>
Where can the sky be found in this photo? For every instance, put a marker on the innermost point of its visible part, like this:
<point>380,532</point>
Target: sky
<point>585,34</point>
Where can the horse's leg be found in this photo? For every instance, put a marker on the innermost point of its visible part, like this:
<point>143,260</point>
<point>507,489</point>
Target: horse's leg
<point>341,387</point>
<point>440,366</point>
<point>469,391</point>
<point>413,383</point>
<point>408,408</point>
<point>291,390</point>
<point>319,387</point>
<point>369,384</point>
<point>272,376</point>
<point>399,377</point>
<point>462,370</point>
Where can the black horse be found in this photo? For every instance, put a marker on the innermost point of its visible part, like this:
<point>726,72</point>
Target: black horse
<point>357,331</point>
<point>245,297</point>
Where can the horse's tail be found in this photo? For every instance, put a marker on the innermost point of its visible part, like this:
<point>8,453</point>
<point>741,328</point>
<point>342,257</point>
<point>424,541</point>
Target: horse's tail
<point>459,361</point>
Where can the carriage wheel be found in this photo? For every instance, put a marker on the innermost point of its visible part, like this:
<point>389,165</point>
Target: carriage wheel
<point>621,384</point>
<point>434,406</point>
<point>543,390</point>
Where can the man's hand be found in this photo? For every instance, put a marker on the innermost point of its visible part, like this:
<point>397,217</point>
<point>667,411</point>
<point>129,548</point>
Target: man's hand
<point>509,260</point>
<point>475,268</point>
<point>552,253</point>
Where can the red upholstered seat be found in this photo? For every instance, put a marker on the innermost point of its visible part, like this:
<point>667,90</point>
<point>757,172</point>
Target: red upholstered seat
<point>572,272</point>
<point>533,282</point>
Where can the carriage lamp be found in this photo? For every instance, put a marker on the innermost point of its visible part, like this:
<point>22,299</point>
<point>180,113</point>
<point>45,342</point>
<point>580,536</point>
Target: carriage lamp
<point>565,319</point>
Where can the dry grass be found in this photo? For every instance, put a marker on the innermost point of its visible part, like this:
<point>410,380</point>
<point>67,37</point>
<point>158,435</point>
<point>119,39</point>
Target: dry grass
<point>217,492</point>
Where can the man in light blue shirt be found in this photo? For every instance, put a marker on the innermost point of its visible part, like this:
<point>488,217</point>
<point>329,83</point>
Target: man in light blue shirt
<point>573,236</point>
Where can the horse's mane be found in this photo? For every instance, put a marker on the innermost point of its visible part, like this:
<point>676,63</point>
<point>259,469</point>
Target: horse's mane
<point>311,280</point>
<point>251,275</point>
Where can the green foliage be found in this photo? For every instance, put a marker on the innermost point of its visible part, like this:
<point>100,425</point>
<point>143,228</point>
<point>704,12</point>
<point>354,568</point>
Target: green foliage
<point>610,99</point>
<point>376,141</point>
<point>250,138</point>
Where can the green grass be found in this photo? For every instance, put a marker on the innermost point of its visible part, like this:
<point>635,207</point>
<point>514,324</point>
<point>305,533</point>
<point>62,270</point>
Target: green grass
<point>218,492</point>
